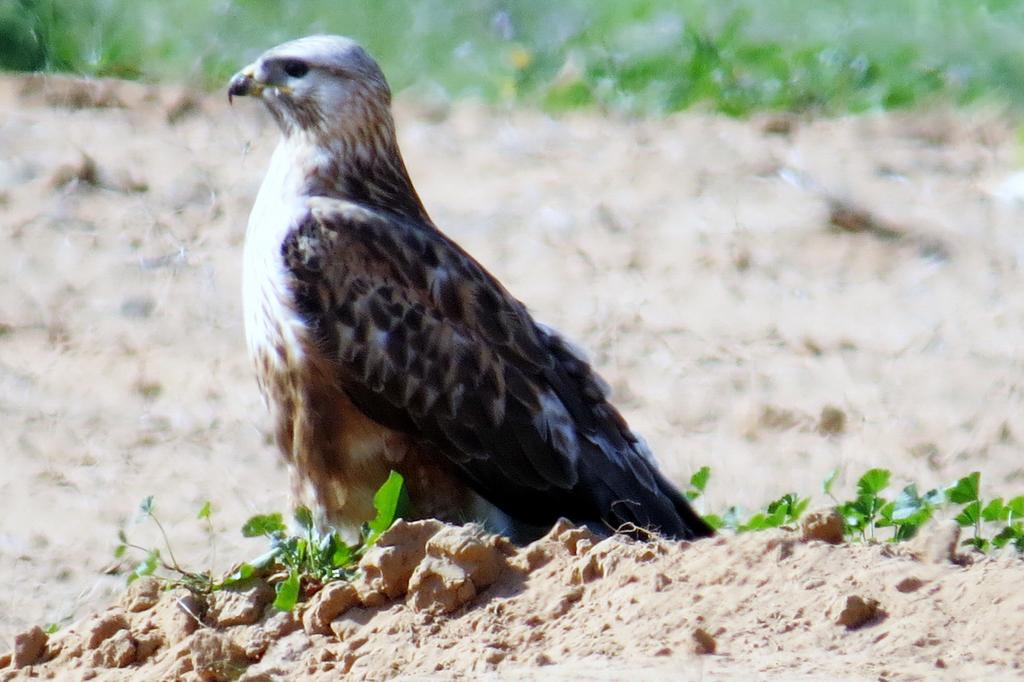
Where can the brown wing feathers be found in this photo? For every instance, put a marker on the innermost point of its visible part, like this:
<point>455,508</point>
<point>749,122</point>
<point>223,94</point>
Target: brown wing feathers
<point>428,343</point>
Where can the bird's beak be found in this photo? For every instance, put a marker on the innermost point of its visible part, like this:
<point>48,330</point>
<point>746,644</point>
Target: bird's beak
<point>244,84</point>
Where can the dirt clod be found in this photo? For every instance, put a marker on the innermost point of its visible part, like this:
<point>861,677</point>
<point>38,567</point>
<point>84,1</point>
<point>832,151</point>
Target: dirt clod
<point>565,603</point>
<point>329,603</point>
<point>832,421</point>
<point>177,615</point>
<point>937,543</point>
<point>460,562</point>
<point>83,171</point>
<point>241,605</point>
<point>215,657</point>
<point>576,539</point>
<point>148,643</point>
<point>910,584</point>
<point>29,647</point>
<point>826,526</point>
<point>860,612</point>
<point>103,627</point>
<point>704,643</point>
<point>849,217</point>
<point>142,594</point>
<point>388,565</point>
<point>281,623</point>
<point>117,651</point>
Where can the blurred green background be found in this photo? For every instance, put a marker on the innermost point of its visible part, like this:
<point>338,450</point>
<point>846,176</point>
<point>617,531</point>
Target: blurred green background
<point>643,56</point>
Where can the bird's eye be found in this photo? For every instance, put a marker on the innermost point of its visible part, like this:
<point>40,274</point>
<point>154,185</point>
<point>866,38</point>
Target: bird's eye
<point>295,68</point>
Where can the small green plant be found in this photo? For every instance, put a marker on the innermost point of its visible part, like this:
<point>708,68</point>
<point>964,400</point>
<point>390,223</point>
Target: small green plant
<point>316,557</point>
<point>784,511</point>
<point>976,513</point>
<point>1013,534</point>
<point>307,559</point>
<point>910,510</point>
<point>698,482</point>
<point>871,510</point>
<point>781,512</point>
<point>195,582</point>
<point>861,514</point>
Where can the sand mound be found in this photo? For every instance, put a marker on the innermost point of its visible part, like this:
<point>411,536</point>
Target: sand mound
<point>432,598</point>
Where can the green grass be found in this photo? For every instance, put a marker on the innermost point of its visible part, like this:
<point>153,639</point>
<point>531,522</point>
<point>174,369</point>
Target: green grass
<point>644,56</point>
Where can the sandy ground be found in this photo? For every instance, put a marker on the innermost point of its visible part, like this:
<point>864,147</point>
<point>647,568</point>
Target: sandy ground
<point>693,256</point>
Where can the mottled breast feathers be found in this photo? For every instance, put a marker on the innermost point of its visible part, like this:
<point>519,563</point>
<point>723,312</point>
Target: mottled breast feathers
<point>426,342</point>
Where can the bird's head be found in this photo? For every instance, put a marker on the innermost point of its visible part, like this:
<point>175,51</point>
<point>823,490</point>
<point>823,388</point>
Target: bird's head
<point>325,86</point>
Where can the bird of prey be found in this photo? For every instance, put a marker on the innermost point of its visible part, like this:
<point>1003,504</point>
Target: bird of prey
<point>380,344</point>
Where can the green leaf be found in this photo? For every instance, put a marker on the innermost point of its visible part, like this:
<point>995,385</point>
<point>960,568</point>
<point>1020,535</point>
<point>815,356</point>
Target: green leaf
<point>756,522</point>
<point>826,485</point>
<point>342,556</point>
<point>965,490</point>
<point>146,507</point>
<point>714,520</point>
<point>1012,533</point>
<point>304,517</point>
<point>869,505</point>
<point>886,515</point>
<point>995,510</point>
<point>119,551</point>
<point>918,519</point>
<point>905,531</point>
<point>287,592</point>
<point>301,550</point>
<point>874,481</point>
<point>970,515</point>
<point>334,552</point>
<point>146,567</point>
<point>267,559</point>
<point>243,572</point>
<point>911,508</point>
<point>797,510</point>
<point>263,524</point>
<point>980,544</point>
<point>907,502</point>
<point>854,519</point>
<point>288,549</point>
<point>786,509</point>
<point>936,497</point>
<point>698,480</point>
<point>1016,507</point>
<point>389,500</point>
<point>51,628</point>
<point>731,518</point>
<point>205,511</point>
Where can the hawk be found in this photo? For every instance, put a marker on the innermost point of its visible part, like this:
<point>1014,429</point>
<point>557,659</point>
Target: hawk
<point>380,344</point>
